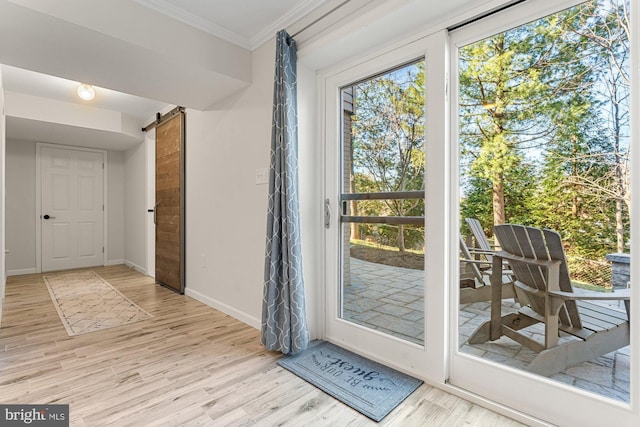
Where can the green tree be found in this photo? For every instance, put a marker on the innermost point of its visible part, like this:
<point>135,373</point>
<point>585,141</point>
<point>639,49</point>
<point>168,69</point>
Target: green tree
<point>584,187</point>
<point>603,29</point>
<point>547,103</point>
<point>512,86</point>
<point>388,138</point>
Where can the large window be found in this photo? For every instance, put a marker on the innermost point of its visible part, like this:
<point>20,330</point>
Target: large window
<point>544,141</point>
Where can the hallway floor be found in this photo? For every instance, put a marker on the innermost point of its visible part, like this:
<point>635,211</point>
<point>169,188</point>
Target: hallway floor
<point>189,365</point>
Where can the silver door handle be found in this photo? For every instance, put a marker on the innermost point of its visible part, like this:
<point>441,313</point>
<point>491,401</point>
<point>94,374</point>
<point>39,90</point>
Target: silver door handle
<point>48,217</point>
<point>327,213</point>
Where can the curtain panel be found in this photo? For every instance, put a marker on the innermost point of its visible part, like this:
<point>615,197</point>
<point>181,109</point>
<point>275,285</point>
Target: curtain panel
<point>284,325</point>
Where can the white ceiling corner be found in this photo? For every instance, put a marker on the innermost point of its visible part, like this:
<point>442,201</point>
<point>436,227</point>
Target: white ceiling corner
<point>299,11</point>
<point>249,36</point>
<point>186,17</point>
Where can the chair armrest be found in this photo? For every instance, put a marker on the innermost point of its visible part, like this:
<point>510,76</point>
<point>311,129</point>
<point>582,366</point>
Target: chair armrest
<point>539,263</point>
<point>582,294</point>
<point>476,261</point>
<point>480,251</point>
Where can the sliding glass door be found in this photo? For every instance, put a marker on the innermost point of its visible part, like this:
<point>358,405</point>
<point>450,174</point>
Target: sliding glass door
<point>478,199</point>
<point>542,125</point>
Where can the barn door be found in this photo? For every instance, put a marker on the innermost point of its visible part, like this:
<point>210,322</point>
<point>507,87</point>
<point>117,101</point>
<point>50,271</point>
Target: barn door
<point>169,209</point>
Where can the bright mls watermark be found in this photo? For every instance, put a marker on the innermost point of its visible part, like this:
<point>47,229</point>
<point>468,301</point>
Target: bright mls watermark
<point>34,415</point>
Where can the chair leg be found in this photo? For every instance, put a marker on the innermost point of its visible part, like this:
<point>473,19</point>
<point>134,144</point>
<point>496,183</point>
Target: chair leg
<point>550,362</point>
<point>627,306</point>
<point>481,335</point>
<point>513,321</point>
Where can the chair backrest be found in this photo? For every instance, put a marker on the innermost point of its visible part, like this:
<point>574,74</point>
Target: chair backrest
<point>478,234</point>
<point>543,245</point>
<point>465,255</point>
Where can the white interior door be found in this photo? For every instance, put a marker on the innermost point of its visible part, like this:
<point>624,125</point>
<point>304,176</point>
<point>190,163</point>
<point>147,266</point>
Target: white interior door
<point>72,208</point>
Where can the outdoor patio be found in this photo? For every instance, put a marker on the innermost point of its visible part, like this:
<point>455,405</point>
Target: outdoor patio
<point>390,300</point>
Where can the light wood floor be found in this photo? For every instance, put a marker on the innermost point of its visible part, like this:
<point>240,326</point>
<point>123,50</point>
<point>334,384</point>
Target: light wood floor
<point>188,365</point>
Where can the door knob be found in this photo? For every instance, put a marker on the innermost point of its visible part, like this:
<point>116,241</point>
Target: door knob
<point>48,217</point>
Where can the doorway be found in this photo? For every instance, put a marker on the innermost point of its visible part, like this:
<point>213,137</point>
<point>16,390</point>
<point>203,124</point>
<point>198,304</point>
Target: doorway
<point>70,201</point>
<point>379,300</point>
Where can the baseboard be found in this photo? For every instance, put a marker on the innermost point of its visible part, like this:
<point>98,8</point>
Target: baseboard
<point>115,262</point>
<point>135,266</point>
<point>21,271</point>
<point>225,308</point>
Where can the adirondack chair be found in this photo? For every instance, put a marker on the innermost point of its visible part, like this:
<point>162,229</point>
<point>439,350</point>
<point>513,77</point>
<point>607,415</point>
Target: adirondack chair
<point>481,239</point>
<point>546,295</point>
<point>477,273</point>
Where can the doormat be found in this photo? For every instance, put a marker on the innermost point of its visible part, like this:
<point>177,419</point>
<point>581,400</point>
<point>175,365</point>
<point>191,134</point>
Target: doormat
<point>86,303</point>
<point>368,387</point>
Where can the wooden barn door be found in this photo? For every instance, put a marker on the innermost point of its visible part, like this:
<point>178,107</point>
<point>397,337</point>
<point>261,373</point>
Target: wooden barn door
<point>169,209</point>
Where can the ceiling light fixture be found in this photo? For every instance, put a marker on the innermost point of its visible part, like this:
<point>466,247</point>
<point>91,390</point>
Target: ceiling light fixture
<point>86,92</point>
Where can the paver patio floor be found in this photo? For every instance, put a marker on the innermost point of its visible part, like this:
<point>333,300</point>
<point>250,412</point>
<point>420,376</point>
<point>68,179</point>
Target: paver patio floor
<point>390,300</point>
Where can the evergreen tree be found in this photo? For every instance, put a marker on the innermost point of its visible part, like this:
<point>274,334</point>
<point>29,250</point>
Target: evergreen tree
<point>547,103</point>
<point>513,87</point>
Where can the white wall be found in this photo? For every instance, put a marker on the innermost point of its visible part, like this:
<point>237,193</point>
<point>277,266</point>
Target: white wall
<point>115,212</point>
<point>21,214</point>
<point>2,192</point>
<point>21,207</point>
<point>225,209</point>
<point>135,209</point>
<point>36,118</point>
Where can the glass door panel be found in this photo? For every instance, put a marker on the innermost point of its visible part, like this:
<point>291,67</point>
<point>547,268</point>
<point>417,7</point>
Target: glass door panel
<point>375,208</point>
<point>542,118</point>
<point>382,202</point>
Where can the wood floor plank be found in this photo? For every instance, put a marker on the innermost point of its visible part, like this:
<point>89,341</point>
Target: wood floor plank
<point>189,365</point>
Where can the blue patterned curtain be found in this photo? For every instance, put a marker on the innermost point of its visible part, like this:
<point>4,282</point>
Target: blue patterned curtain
<point>284,323</point>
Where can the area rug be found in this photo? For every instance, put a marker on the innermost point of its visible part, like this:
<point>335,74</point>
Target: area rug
<point>368,387</point>
<point>86,303</point>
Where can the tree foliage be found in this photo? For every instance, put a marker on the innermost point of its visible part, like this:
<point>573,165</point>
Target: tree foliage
<point>543,116</point>
<point>388,142</point>
<point>543,131</point>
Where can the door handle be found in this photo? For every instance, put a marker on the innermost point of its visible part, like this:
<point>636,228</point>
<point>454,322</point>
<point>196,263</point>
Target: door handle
<point>327,213</point>
<point>155,213</point>
<point>48,217</point>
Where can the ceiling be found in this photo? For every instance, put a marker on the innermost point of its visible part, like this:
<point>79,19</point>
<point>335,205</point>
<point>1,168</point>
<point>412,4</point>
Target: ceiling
<point>46,86</point>
<point>247,23</point>
<point>146,55</point>
<point>47,63</point>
